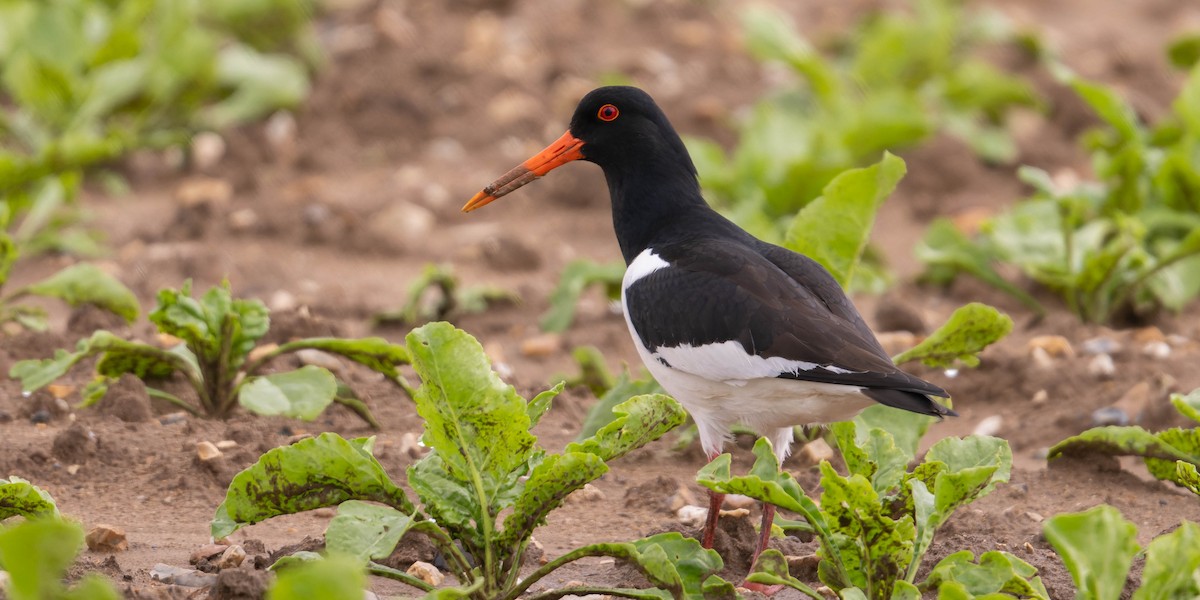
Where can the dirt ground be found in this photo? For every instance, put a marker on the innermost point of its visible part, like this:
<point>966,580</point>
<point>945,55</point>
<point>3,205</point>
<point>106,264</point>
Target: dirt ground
<point>421,104</point>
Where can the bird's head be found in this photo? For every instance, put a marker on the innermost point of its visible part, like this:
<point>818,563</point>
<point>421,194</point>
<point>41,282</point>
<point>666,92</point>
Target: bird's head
<point>616,127</point>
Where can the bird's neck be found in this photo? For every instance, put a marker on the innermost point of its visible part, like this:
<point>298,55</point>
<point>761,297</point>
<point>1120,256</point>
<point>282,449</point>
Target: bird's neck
<point>647,201</point>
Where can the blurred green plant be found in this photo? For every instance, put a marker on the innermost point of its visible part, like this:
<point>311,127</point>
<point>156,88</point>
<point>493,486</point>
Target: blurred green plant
<point>896,80</point>
<point>1098,547</point>
<point>219,357</point>
<point>84,82</point>
<point>437,295</point>
<point>1171,454</point>
<point>36,552</point>
<point>1127,245</point>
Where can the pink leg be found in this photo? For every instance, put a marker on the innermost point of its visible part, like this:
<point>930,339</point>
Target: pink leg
<point>715,501</point>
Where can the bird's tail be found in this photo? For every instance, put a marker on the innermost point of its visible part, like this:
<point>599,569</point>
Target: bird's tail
<point>910,401</point>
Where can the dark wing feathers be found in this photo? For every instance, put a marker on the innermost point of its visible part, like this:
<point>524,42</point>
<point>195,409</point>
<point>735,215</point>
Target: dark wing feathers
<point>720,289</point>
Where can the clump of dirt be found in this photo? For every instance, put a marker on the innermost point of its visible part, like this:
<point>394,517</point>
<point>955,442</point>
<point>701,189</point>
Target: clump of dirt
<point>242,583</point>
<point>74,445</point>
<point>127,400</point>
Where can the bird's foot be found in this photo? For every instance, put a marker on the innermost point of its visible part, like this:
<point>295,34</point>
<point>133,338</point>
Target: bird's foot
<point>762,588</point>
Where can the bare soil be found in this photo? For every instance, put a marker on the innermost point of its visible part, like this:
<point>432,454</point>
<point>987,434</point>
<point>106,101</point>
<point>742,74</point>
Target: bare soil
<point>420,105</point>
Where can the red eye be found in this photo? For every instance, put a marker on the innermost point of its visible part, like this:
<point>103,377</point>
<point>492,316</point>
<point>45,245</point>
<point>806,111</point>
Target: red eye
<point>608,112</point>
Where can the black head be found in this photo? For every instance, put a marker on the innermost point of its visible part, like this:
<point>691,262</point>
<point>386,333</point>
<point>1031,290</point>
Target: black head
<point>621,126</point>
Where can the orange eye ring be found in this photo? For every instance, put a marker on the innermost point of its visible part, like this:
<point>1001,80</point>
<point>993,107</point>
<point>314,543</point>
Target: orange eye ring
<point>608,112</point>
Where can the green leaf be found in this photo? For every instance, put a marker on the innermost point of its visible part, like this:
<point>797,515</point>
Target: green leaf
<point>547,488</point>
<point>965,334</point>
<point>670,561</point>
<point>834,229</point>
<point>907,428</point>
<point>300,394</point>
<point>334,577</point>
<point>119,357</point>
<point>36,555</point>
<point>375,353</point>
<point>1188,405</point>
<point>478,424</point>
<point>541,403</point>
<point>261,83</point>
<point>875,548</point>
<point>1172,561</point>
<point>872,453</point>
<point>1187,476</point>
<point>624,388</point>
<point>85,284</point>
<point>1109,106</point>
<point>1115,440</point>
<point>771,568</point>
<point>764,482</point>
<point>971,455</point>
<point>995,572</point>
<point>214,326</point>
<point>1184,51</point>
<point>576,277</point>
<point>8,255</point>
<point>944,246</point>
<point>1097,546</point>
<point>447,499</point>
<point>366,531</point>
<point>19,497</point>
<point>637,422</point>
<point>311,473</point>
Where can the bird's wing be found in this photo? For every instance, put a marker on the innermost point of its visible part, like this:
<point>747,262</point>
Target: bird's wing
<point>724,310</point>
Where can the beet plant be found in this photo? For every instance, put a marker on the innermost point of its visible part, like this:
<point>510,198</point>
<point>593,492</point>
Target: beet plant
<point>483,488</point>
<point>876,523</point>
<point>219,357</point>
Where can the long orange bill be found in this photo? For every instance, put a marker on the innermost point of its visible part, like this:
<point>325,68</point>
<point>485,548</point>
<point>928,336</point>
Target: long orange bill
<point>564,150</point>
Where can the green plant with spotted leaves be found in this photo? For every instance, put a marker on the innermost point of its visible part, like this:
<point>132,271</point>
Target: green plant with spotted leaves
<point>217,353</point>
<point>484,486</point>
<point>1171,454</point>
<point>876,522</point>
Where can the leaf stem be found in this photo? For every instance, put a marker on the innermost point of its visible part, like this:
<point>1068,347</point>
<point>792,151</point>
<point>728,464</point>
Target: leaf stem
<point>547,568</point>
<point>173,399</point>
<point>442,540</point>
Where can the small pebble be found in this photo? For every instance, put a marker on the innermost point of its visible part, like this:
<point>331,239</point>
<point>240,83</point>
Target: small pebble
<point>182,577</point>
<point>208,148</point>
<point>1101,366</point>
<point>1041,359</point>
<point>107,538</point>
<point>682,497</point>
<point>587,493</point>
<point>1157,350</point>
<point>1035,517</point>
<point>814,452</point>
<point>318,358</point>
<point>1100,345</point>
<point>989,426</point>
<point>206,451</point>
<point>60,390</point>
<point>173,418</point>
<point>1109,415</point>
<point>1054,345</point>
<point>541,345</point>
<point>232,557</point>
<point>1146,335</point>
<point>40,416</point>
<point>325,512</point>
<point>207,551</point>
<point>426,572</point>
<point>736,501</point>
<point>691,515</point>
<point>72,469</point>
<point>410,445</point>
<point>1040,397</point>
<point>226,445</point>
<point>283,300</point>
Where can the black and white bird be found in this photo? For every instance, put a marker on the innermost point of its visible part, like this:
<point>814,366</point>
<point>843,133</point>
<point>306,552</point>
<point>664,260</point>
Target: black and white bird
<point>736,329</point>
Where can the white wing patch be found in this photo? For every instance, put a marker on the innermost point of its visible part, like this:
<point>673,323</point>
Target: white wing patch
<point>729,362</point>
<point>644,264</point>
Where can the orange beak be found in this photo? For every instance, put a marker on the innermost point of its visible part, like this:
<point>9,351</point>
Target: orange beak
<point>564,150</point>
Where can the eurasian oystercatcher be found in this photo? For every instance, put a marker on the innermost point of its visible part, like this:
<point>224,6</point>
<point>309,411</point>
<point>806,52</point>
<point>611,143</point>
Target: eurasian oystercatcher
<point>736,329</point>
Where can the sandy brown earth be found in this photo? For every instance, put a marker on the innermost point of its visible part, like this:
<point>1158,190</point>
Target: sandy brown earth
<point>424,102</point>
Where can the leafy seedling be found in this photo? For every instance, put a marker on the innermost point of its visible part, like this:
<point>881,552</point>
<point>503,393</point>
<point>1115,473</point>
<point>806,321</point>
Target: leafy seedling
<point>1098,547</point>
<point>1161,451</point>
<point>21,498</point>
<point>484,487</point>
<point>36,555</point>
<point>962,337</point>
<point>924,77</point>
<point>875,524</point>
<point>218,356</point>
<point>436,296</point>
<point>576,278</point>
<point>1125,245</point>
